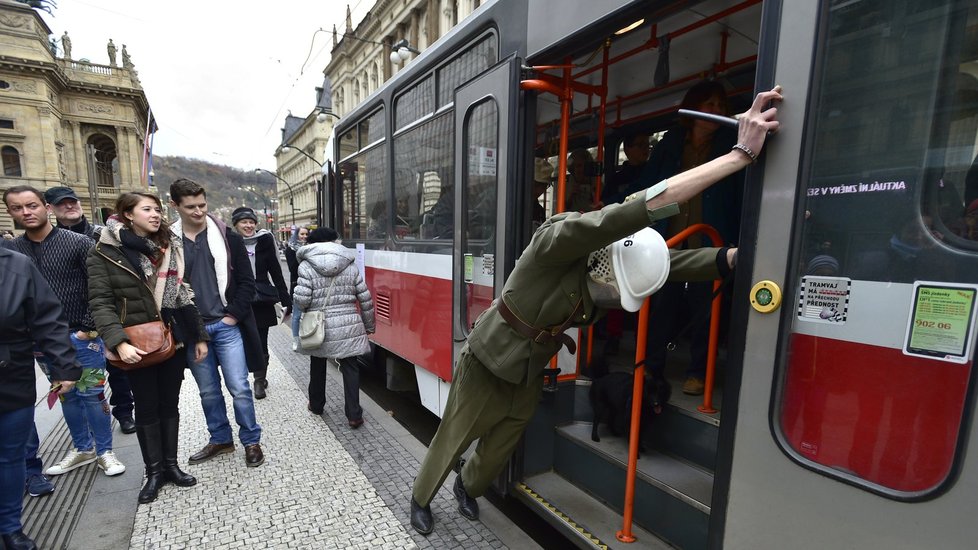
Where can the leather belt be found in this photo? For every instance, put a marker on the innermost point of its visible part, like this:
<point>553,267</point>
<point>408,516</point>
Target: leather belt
<point>541,336</point>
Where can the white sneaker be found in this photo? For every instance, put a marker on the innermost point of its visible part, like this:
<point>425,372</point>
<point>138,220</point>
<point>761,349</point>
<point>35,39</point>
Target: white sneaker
<point>110,464</point>
<point>74,459</point>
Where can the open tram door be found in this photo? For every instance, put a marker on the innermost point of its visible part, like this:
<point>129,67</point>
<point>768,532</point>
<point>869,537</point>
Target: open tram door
<point>485,160</point>
<point>853,418</point>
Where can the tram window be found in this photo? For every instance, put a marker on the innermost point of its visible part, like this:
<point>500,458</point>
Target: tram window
<point>893,137</point>
<point>348,144</point>
<point>479,182</point>
<point>473,61</point>
<point>372,129</point>
<point>415,103</point>
<point>423,180</point>
<point>363,182</point>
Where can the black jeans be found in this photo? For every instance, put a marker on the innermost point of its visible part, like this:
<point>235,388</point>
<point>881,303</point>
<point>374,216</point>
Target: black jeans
<point>351,386</point>
<point>156,389</point>
<point>121,399</point>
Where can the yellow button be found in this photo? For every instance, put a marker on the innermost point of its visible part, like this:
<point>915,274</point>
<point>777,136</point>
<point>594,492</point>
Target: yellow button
<point>765,296</point>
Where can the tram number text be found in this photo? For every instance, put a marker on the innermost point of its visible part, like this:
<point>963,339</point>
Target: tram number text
<point>932,324</point>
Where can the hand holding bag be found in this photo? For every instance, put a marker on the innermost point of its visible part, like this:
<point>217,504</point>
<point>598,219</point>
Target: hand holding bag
<point>266,293</point>
<point>154,338</point>
<point>312,325</point>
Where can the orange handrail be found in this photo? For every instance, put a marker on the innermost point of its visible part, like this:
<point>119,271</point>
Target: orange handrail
<point>625,534</point>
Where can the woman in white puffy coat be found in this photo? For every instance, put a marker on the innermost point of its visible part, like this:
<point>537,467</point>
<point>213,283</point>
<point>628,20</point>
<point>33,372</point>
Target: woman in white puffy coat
<point>329,281</point>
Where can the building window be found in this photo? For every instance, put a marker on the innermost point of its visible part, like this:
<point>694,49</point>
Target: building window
<point>11,161</point>
<point>6,124</point>
<point>103,157</point>
<point>4,85</point>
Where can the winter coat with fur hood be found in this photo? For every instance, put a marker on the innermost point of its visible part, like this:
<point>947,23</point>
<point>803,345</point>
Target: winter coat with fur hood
<point>320,266</point>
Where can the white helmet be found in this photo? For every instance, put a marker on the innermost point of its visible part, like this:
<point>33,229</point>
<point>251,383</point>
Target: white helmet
<point>629,270</point>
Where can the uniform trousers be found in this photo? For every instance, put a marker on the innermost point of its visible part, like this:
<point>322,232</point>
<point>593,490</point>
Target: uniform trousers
<point>480,406</point>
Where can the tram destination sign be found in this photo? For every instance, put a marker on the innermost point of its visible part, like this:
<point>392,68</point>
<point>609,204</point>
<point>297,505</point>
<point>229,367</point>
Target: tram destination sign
<point>942,321</point>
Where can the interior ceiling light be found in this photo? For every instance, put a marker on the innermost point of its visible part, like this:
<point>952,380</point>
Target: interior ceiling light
<point>629,28</point>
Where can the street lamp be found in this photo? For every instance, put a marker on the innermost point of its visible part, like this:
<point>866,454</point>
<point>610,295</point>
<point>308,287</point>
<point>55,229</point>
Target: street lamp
<point>288,148</point>
<point>287,184</point>
<point>401,51</point>
<point>324,114</point>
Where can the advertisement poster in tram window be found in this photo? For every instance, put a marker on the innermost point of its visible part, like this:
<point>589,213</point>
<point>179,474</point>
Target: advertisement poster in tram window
<point>482,161</point>
<point>942,322</point>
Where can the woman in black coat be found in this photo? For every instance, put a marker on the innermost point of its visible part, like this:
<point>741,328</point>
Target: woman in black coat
<point>269,283</point>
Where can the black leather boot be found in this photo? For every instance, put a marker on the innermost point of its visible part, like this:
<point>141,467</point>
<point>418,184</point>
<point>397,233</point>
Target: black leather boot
<point>169,431</point>
<point>467,506</point>
<point>152,448</point>
<point>260,384</point>
<point>421,518</point>
<point>18,541</point>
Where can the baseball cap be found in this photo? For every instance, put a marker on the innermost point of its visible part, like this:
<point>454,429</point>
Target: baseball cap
<point>55,195</point>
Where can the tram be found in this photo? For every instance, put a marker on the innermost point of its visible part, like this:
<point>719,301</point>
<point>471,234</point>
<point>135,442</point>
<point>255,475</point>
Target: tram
<point>840,410</point>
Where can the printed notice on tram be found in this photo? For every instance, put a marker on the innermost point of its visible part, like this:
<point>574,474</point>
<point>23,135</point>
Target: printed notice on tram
<point>942,322</point>
<point>824,299</point>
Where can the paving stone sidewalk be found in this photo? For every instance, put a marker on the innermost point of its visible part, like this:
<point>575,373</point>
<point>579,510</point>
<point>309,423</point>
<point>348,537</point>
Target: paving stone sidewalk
<point>323,485</point>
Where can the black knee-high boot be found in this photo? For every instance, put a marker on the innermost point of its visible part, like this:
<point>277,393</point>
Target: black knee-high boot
<point>170,430</point>
<point>261,382</point>
<point>152,449</point>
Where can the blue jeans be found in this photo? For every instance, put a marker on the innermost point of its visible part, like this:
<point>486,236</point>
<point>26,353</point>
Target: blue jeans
<point>87,412</point>
<point>15,427</point>
<point>296,317</point>
<point>226,349</point>
<point>33,462</point>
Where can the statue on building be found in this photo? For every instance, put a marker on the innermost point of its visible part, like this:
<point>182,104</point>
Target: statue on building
<point>66,45</point>
<point>126,60</point>
<point>110,47</point>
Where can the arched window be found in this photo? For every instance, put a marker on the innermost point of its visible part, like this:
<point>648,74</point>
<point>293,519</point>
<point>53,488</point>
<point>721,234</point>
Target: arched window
<point>102,156</point>
<point>356,93</point>
<point>11,161</point>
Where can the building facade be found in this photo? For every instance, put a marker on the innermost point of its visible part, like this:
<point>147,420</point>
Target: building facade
<point>65,121</point>
<point>359,63</point>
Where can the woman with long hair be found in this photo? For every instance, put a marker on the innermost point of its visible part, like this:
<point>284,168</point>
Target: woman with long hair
<point>136,276</point>
<point>269,283</point>
<point>329,281</point>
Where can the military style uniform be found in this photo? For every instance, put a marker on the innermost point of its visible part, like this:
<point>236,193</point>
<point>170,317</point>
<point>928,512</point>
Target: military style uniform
<point>499,373</point>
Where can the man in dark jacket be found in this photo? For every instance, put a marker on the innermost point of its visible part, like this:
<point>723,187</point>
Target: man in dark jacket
<point>67,210</point>
<point>30,316</point>
<point>219,272</point>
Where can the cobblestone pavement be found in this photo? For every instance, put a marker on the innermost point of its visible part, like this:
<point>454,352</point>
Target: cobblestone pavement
<point>323,485</point>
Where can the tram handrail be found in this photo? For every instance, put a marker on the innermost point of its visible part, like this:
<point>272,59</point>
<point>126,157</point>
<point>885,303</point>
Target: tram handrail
<point>625,534</point>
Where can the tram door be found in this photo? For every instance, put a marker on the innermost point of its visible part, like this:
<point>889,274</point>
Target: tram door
<point>484,154</point>
<point>853,415</point>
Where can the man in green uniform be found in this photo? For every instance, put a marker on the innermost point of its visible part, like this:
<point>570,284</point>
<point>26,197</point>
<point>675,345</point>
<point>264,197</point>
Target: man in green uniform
<point>499,371</point>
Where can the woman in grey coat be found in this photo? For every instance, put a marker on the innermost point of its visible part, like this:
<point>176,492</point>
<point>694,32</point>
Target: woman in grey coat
<point>329,281</point>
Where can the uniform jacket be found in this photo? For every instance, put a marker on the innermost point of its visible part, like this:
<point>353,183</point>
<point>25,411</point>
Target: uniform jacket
<point>29,313</point>
<point>551,278</point>
<point>320,266</point>
<point>234,275</point>
<point>119,298</point>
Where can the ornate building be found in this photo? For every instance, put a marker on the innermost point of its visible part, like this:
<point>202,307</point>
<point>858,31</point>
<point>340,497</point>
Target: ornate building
<point>360,62</point>
<point>65,121</point>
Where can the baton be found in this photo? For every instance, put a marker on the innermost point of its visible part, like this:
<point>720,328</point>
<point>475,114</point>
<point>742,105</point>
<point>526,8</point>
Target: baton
<point>710,117</point>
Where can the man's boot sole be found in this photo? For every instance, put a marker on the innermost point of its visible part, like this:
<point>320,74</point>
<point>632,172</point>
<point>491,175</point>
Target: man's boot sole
<point>215,455</point>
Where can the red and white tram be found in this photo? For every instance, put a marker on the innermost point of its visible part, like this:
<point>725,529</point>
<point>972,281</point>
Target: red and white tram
<point>845,386</point>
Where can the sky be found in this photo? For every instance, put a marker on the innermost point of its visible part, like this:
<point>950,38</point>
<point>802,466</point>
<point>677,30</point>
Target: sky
<point>220,76</point>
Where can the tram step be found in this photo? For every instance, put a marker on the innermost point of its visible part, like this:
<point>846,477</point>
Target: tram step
<point>672,496</point>
<point>680,430</point>
<point>584,520</point>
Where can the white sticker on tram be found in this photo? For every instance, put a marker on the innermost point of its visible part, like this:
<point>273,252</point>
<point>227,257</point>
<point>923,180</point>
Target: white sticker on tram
<point>876,315</point>
<point>824,299</point>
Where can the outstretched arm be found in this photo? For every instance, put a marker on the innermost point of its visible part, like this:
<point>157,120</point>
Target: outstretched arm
<point>752,131</point>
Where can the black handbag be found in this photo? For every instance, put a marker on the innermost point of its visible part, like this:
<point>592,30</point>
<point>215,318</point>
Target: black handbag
<point>266,293</point>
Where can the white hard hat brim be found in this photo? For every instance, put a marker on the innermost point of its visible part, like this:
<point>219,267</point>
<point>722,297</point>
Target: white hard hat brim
<point>653,259</point>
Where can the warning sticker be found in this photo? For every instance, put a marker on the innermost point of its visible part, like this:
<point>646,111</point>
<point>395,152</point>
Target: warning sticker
<point>824,299</point>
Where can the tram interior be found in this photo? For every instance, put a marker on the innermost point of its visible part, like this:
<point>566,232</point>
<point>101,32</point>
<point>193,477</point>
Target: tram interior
<point>646,81</point>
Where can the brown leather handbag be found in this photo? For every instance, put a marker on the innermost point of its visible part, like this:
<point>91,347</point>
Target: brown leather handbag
<point>154,338</point>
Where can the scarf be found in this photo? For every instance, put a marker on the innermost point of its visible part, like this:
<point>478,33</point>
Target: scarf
<point>251,243</point>
<point>150,261</point>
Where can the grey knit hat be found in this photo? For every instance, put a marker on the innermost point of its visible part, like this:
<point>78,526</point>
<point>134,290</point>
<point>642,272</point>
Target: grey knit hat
<point>243,213</point>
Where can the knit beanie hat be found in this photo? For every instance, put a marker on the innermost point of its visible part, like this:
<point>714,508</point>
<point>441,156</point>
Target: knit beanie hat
<point>243,213</point>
